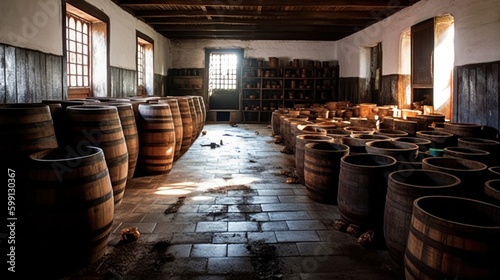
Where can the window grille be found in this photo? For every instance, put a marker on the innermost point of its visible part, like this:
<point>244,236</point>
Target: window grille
<point>78,51</point>
<point>223,71</point>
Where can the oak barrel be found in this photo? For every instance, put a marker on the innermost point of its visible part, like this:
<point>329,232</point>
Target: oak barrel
<point>71,208</point>
<point>489,145</point>
<point>196,119</point>
<point>177,119</point>
<point>403,187</point>
<point>362,189</point>
<point>439,139</point>
<point>453,238</point>
<point>25,129</point>
<point>187,123</point>
<point>492,191</point>
<point>300,143</point>
<point>157,138</point>
<point>401,151</point>
<point>462,129</point>
<point>130,132</point>
<point>472,173</point>
<point>100,126</point>
<point>321,170</point>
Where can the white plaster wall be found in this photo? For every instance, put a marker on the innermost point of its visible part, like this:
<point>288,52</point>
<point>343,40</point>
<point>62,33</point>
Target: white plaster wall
<point>191,53</point>
<point>123,38</point>
<point>37,25</point>
<point>477,34</point>
<point>32,24</point>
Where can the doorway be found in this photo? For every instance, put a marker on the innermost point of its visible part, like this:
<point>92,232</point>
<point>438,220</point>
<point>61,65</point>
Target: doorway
<point>224,71</point>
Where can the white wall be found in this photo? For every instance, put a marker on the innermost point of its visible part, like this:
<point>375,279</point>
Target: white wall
<point>37,25</point>
<point>191,53</point>
<point>123,38</point>
<point>33,25</point>
<point>477,34</point>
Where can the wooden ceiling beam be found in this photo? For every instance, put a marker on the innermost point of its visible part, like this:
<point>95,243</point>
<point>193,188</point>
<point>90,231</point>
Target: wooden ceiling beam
<point>254,36</point>
<point>239,28</point>
<point>147,14</point>
<point>239,21</point>
<point>270,3</point>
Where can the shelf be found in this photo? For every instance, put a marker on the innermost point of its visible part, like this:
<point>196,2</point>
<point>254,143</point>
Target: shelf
<point>273,87</point>
<point>183,81</point>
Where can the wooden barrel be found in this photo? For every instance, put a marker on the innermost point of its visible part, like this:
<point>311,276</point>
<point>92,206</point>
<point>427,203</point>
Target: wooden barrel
<point>130,132</point>
<point>357,142</point>
<point>25,129</point>
<point>422,123</point>
<point>492,191</point>
<point>71,209</point>
<point>457,241</point>
<point>187,124</point>
<point>275,121</point>
<point>411,127</point>
<point>108,99</point>
<point>199,114</point>
<point>178,125</point>
<point>300,143</point>
<point>100,126</point>
<point>203,109</point>
<point>468,153</point>
<point>287,133</point>
<point>321,170</point>
<point>392,132</point>
<point>436,118</point>
<point>387,123</point>
<point>157,138</point>
<point>403,187</point>
<point>196,120</point>
<point>362,188</point>
<point>422,143</point>
<point>494,172</point>
<point>401,151</point>
<point>489,145</point>
<point>472,173</point>
<point>462,129</point>
<point>439,139</point>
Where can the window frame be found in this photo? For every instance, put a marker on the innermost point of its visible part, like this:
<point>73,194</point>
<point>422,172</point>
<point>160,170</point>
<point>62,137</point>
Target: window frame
<point>98,14</point>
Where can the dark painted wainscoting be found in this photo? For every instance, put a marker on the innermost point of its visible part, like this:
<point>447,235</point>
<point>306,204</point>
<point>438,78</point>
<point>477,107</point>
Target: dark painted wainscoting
<point>393,90</point>
<point>124,83</point>
<point>28,76</point>
<point>477,96</point>
<point>356,90</point>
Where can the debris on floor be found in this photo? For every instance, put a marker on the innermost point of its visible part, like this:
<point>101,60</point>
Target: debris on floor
<point>204,132</point>
<point>212,145</point>
<point>130,234</point>
<point>233,124</point>
<point>175,207</point>
<point>287,150</point>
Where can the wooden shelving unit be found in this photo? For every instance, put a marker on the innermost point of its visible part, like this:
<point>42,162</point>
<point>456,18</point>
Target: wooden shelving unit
<point>186,81</point>
<point>265,89</point>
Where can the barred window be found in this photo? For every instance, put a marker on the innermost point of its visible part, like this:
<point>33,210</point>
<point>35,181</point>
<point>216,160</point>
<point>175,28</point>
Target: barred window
<point>78,51</point>
<point>140,65</point>
<point>223,71</point>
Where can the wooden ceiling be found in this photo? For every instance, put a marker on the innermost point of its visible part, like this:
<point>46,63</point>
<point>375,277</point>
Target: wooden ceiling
<point>324,20</point>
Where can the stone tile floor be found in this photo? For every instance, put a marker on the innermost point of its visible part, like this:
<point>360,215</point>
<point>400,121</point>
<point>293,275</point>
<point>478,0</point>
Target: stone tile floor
<point>228,213</point>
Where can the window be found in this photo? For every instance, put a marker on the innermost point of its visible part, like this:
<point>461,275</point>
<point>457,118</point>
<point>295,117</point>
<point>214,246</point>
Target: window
<point>78,49</point>
<point>86,49</point>
<point>145,73</point>
<point>223,71</point>
<point>140,69</point>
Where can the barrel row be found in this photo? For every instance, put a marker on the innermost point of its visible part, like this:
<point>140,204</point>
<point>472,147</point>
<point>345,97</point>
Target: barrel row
<point>391,182</point>
<point>70,161</point>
